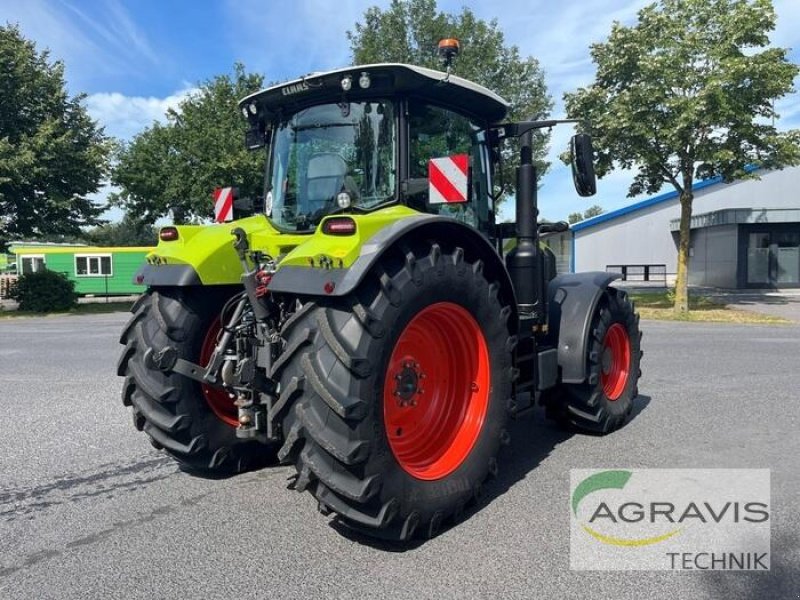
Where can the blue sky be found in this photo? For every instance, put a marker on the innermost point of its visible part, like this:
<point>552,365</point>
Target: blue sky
<point>136,59</point>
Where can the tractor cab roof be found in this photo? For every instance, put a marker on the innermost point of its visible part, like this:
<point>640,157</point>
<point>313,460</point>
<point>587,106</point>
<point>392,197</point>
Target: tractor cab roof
<point>386,79</point>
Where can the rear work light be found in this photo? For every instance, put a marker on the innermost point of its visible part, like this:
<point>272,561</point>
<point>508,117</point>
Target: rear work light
<point>339,226</point>
<point>168,234</point>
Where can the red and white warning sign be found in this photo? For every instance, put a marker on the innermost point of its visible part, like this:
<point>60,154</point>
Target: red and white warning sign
<point>223,204</point>
<point>447,177</point>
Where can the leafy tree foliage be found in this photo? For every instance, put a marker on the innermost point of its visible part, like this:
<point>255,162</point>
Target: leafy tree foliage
<point>45,291</point>
<point>593,211</point>
<point>409,31</point>
<point>52,154</point>
<point>688,93</point>
<point>590,212</point>
<point>128,232</point>
<point>175,166</point>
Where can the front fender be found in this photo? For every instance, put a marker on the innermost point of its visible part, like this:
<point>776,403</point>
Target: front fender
<point>572,300</point>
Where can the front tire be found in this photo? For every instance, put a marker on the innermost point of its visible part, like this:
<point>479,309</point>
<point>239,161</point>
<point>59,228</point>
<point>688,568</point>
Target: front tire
<point>191,422</point>
<point>400,393</point>
<point>604,403</point>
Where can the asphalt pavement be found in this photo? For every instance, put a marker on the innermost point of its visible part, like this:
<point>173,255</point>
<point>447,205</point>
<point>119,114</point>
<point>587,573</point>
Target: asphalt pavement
<point>89,510</point>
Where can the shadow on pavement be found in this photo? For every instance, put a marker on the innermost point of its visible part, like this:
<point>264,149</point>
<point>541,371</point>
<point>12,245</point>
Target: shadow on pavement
<point>781,581</point>
<point>639,404</point>
<point>755,299</point>
<point>785,305</point>
<point>533,439</point>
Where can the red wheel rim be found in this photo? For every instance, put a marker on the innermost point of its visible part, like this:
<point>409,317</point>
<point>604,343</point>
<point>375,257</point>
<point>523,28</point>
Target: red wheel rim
<point>220,401</point>
<point>436,391</point>
<point>616,363</point>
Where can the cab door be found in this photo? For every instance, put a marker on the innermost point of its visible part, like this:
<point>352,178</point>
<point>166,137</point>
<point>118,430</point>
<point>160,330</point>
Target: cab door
<point>438,133</point>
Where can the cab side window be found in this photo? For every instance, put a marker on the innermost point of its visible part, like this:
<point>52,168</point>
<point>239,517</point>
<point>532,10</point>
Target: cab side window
<point>435,132</point>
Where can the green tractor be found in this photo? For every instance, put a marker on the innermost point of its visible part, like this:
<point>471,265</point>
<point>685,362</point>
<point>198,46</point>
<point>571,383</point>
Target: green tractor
<point>365,325</point>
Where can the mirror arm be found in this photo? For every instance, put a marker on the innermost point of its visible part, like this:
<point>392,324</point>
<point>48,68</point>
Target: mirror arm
<point>508,130</point>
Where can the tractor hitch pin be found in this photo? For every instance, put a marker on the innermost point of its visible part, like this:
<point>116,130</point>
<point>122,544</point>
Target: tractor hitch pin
<point>252,418</point>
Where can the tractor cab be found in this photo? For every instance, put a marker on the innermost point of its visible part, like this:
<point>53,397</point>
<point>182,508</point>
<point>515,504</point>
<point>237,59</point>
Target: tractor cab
<point>362,138</point>
<point>359,139</point>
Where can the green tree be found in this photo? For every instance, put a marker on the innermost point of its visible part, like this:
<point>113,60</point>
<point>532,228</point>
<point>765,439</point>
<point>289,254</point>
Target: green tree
<point>409,31</point>
<point>575,217</point>
<point>590,212</point>
<point>688,93</point>
<point>593,211</point>
<point>175,166</point>
<point>128,232</point>
<point>52,154</point>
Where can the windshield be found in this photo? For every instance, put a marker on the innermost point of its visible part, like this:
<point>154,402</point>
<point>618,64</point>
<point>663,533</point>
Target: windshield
<point>323,151</point>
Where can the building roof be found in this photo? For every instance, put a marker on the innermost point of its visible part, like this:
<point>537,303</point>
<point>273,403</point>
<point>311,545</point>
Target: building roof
<point>22,248</point>
<point>47,244</point>
<point>660,199</point>
<point>386,78</point>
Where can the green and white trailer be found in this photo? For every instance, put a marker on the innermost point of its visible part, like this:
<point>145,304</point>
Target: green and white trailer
<point>94,269</point>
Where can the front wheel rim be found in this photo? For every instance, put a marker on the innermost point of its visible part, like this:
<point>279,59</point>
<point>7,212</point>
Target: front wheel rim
<point>436,391</point>
<point>616,364</point>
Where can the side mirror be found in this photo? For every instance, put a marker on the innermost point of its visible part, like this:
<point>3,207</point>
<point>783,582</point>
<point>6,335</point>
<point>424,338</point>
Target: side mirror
<point>247,207</point>
<point>243,207</point>
<point>582,159</point>
<point>257,137</point>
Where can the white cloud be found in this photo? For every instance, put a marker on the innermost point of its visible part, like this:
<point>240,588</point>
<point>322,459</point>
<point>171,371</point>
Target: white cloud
<point>115,29</point>
<point>789,110</point>
<point>786,32</point>
<point>560,40</point>
<point>285,40</point>
<point>103,40</point>
<point>125,116</point>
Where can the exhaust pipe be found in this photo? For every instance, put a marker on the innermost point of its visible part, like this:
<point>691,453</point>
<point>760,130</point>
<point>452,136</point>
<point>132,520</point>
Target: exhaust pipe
<point>524,260</point>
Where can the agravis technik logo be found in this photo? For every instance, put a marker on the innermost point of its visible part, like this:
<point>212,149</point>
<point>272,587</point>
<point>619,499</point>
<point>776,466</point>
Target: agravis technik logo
<point>613,480</point>
<point>716,519</point>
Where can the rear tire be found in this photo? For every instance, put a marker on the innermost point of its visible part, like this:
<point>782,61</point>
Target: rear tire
<point>354,389</point>
<point>604,403</point>
<point>172,409</point>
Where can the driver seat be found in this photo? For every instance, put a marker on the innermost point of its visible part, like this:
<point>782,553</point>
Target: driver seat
<point>325,177</point>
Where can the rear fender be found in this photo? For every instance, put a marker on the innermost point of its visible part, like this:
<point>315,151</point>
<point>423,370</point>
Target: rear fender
<point>311,281</point>
<point>572,301</point>
<point>204,254</point>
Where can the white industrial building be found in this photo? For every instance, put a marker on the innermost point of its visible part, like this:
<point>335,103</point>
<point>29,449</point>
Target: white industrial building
<point>744,235</point>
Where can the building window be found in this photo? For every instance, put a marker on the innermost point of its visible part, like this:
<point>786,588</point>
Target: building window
<point>93,266</point>
<point>31,264</point>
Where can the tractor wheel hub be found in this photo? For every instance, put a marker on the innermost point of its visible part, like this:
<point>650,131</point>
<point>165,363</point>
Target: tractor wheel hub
<point>408,381</point>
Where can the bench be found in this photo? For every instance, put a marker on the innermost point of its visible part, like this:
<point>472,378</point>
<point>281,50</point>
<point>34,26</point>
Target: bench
<point>656,273</point>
